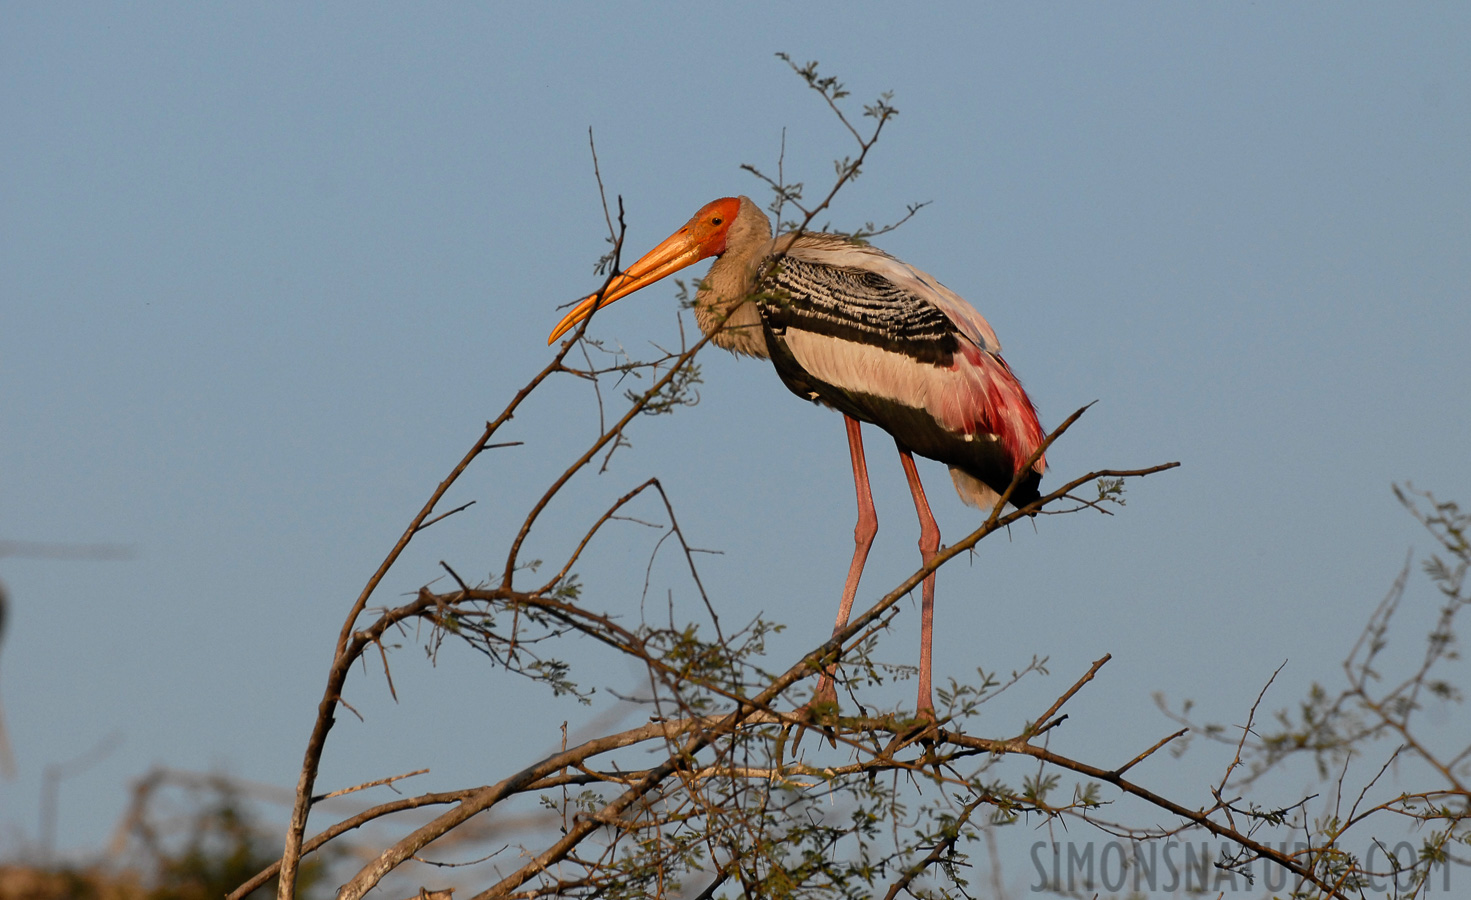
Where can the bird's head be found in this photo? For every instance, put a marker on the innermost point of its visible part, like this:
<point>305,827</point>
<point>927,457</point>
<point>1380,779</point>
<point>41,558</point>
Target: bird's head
<point>701,237</point>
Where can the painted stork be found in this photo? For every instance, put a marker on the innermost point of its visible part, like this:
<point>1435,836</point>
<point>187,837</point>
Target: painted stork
<point>850,327</point>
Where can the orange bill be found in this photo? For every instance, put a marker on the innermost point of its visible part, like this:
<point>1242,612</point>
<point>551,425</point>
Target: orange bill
<point>676,252</point>
<point>701,237</point>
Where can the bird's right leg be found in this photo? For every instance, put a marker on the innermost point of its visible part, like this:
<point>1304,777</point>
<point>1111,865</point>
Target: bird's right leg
<point>863,534</point>
<point>929,544</point>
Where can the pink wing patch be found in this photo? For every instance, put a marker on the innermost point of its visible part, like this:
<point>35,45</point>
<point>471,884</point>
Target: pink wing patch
<point>986,398</point>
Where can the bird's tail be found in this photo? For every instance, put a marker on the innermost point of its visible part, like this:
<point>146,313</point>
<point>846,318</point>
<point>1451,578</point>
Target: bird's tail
<point>977,493</point>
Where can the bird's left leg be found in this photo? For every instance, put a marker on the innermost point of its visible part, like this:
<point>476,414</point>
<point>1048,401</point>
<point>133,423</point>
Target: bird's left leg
<point>863,534</point>
<point>929,543</point>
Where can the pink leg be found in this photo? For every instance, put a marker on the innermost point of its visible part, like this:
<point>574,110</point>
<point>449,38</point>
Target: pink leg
<point>863,533</point>
<point>929,542</point>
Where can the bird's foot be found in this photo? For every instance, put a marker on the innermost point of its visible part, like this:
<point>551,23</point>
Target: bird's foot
<point>821,712</point>
<point>822,709</point>
<point>924,728</point>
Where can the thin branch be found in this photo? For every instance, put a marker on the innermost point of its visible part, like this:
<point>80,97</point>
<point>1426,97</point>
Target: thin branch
<point>445,515</point>
<point>1150,752</point>
<point>576,554</point>
<point>368,784</point>
<point>602,193</point>
<point>1042,722</point>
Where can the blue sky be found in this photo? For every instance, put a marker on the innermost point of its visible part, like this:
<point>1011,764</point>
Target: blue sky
<point>267,270</point>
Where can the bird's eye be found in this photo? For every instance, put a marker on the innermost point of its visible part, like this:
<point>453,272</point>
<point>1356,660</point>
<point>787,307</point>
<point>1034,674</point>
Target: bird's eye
<point>716,221</point>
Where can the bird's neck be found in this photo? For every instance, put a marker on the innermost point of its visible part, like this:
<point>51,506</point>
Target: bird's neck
<point>722,307</point>
<point>724,295</point>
